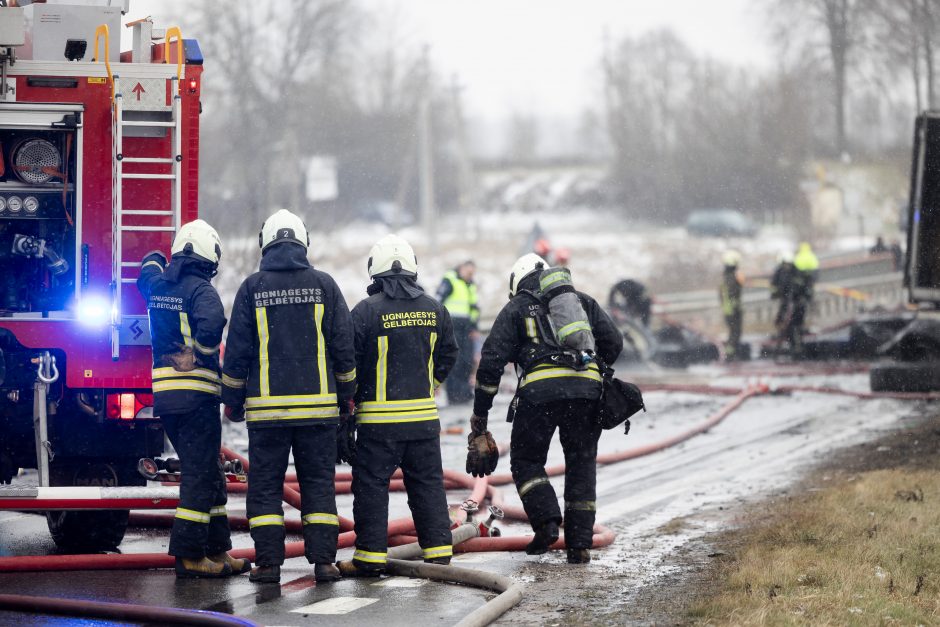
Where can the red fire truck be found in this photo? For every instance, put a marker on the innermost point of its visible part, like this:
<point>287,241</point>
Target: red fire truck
<point>99,154</point>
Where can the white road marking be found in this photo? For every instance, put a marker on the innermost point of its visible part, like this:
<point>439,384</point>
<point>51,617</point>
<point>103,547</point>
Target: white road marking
<point>336,605</point>
<point>401,582</point>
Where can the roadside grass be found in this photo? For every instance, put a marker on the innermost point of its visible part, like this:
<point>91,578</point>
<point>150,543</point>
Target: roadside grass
<point>864,552</point>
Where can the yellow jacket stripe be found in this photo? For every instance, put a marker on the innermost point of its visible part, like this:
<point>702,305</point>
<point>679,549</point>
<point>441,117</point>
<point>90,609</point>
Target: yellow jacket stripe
<point>381,369</point>
<point>371,557</point>
<point>437,551</point>
<point>267,519</point>
<point>152,263</point>
<point>185,330</point>
<point>192,515</point>
<point>237,384</point>
<point>320,518</point>
<point>206,350</point>
<point>372,419</point>
<point>173,373</point>
<point>187,384</point>
<point>218,510</point>
<point>321,348</point>
<point>261,317</point>
<point>299,413</point>
<point>346,377</point>
<point>557,373</point>
<point>312,400</point>
<point>431,362</point>
<point>418,403</point>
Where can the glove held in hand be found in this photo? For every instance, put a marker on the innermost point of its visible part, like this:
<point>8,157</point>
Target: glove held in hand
<point>482,454</point>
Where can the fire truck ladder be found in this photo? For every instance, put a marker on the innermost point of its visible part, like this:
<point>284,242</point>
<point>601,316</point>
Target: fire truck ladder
<point>134,220</point>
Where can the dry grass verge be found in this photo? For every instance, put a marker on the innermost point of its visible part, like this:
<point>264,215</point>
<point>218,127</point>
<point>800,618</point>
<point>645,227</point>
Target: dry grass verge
<point>863,552</point>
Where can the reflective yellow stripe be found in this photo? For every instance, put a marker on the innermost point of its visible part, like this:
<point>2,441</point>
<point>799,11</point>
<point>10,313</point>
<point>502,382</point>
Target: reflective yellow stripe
<point>300,413</point>
<point>530,327</point>
<point>204,349</point>
<point>261,319</point>
<point>267,519</point>
<point>152,263</point>
<point>192,515</point>
<point>198,373</point>
<point>346,377</point>
<point>381,374</point>
<point>394,417</point>
<point>489,389</point>
<point>191,384</point>
<point>555,277</point>
<point>431,362</point>
<point>584,506</point>
<point>437,551</point>
<point>370,556</point>
<point>218,510</point>
<point>574,327</point>
<point>436,384</point>
<point>320,518</point>
<point>556,373</point>
<point>229,382</point>
<point>185,330</point>
<point>313,400</point>
<point>321,348</point>
<point>531,483</point>
<point>413,403</point>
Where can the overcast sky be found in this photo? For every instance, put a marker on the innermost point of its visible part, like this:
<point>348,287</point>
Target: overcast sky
<point>541,56</point>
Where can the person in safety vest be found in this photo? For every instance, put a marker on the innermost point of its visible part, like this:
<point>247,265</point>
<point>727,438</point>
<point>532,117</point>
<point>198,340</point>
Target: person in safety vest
<point>730,294</point>
<point>405,348</point>
<point>804,282</point>
<point>557,389</point>
<point>290,372</point>
<point>186,322</point>
<point>458,292</point>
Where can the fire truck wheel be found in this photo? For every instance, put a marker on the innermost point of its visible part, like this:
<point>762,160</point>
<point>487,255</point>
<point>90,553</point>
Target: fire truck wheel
<point>900,376</point>
<point>82,532</point>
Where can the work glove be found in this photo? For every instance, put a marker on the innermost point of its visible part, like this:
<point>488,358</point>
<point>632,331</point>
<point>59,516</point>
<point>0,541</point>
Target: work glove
<point>482,454</point>
<point>235,414</point>
<point>184,360</point>
<point>478,424</point>
<point>346,437</point>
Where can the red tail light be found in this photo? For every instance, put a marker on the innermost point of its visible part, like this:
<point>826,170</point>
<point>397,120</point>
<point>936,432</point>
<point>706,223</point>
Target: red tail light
<point>127,405</point>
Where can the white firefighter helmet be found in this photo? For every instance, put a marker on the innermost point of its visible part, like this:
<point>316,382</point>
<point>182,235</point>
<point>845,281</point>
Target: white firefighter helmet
<point>392,255</point>
<point>283,226</point>
<point>524,266</point>
<point>731,258</point>
<point>198,239</point>
<point>785,257</point>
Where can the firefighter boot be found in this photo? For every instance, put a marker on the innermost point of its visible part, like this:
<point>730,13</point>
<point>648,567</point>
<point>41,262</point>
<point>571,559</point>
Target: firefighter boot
<point>326,572</point>
<point>203,567</point>
<point>579,556</point>
<point>265,574</point>
<point>238,566</point>
<point>347,568</point>
<point>545,536</point>
<point>441,561</point>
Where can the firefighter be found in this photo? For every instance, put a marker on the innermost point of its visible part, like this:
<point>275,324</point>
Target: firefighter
<point>458,293</point>
<point>289,373</point>
<point>186,322</point>
<point>781,288</point>
<point>804,281</point>
<point>730,294</point>
<point>396,416</point>
<point>555,391</point>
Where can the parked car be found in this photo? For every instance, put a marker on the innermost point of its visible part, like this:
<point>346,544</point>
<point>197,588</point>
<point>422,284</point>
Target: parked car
<point>720,223</point>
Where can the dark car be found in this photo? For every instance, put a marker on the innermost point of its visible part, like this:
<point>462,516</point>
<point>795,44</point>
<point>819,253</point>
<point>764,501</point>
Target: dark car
<point>720,223</point>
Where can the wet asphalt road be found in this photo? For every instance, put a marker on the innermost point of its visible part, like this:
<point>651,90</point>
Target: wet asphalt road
<point>760,447</point>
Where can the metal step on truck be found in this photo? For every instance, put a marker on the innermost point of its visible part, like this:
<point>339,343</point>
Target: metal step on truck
<point>99,154</point>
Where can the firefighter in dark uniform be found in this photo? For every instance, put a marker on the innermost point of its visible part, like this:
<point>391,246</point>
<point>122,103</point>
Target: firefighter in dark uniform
<point>186,322</point>
<point>458,293</point>
<point>405,348</point>
<point>553,392</point>
<point>781,288</point>
<point>806,265</point>
<point>730,294</point>
<point>289,372</point>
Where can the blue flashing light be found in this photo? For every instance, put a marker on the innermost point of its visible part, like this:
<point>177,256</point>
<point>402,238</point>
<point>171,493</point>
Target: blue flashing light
<point>94,311</point>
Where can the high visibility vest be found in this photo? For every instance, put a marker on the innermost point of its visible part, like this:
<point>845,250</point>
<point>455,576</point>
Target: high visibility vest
<point>462,301</point>
<point>805,260</point>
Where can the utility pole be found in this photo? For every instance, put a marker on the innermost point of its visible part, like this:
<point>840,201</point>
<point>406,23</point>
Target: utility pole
<point>426,159</point>
<point>469,206</point>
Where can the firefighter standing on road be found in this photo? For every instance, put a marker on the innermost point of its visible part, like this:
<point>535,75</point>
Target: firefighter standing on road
<point>730,293</point>
<point>781,288</point>
<point>289,372</point>
<point>186,322</point>
<point>458,292</point>
<point>804,283</point>
<point>554,392</point>
<point>405,348</point>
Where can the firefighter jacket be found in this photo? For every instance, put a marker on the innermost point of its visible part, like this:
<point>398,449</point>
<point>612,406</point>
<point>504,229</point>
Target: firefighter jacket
<point>405,347</point>
<point>459,297</point>
<point>289,357</point>
<point>730,292</point>
<point>519,335</point>
<point>186,323</point>
<point>781,283</point>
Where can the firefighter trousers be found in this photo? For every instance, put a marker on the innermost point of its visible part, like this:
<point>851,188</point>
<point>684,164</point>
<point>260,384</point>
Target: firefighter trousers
<point>532,431</point>
<point>420,463</point>
<point>734,321</point>
<point>200,527</point>
<point>458,381</point>
<point>314,449</point>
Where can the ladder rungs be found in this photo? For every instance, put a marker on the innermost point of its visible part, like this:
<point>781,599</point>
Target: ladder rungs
<point>147,160</point>
<point>167,177</point>
<point>128,280</point>
<point>143,212</point>
<point>130,264</point>
<point>152,229</point>
<point>152,123</point>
